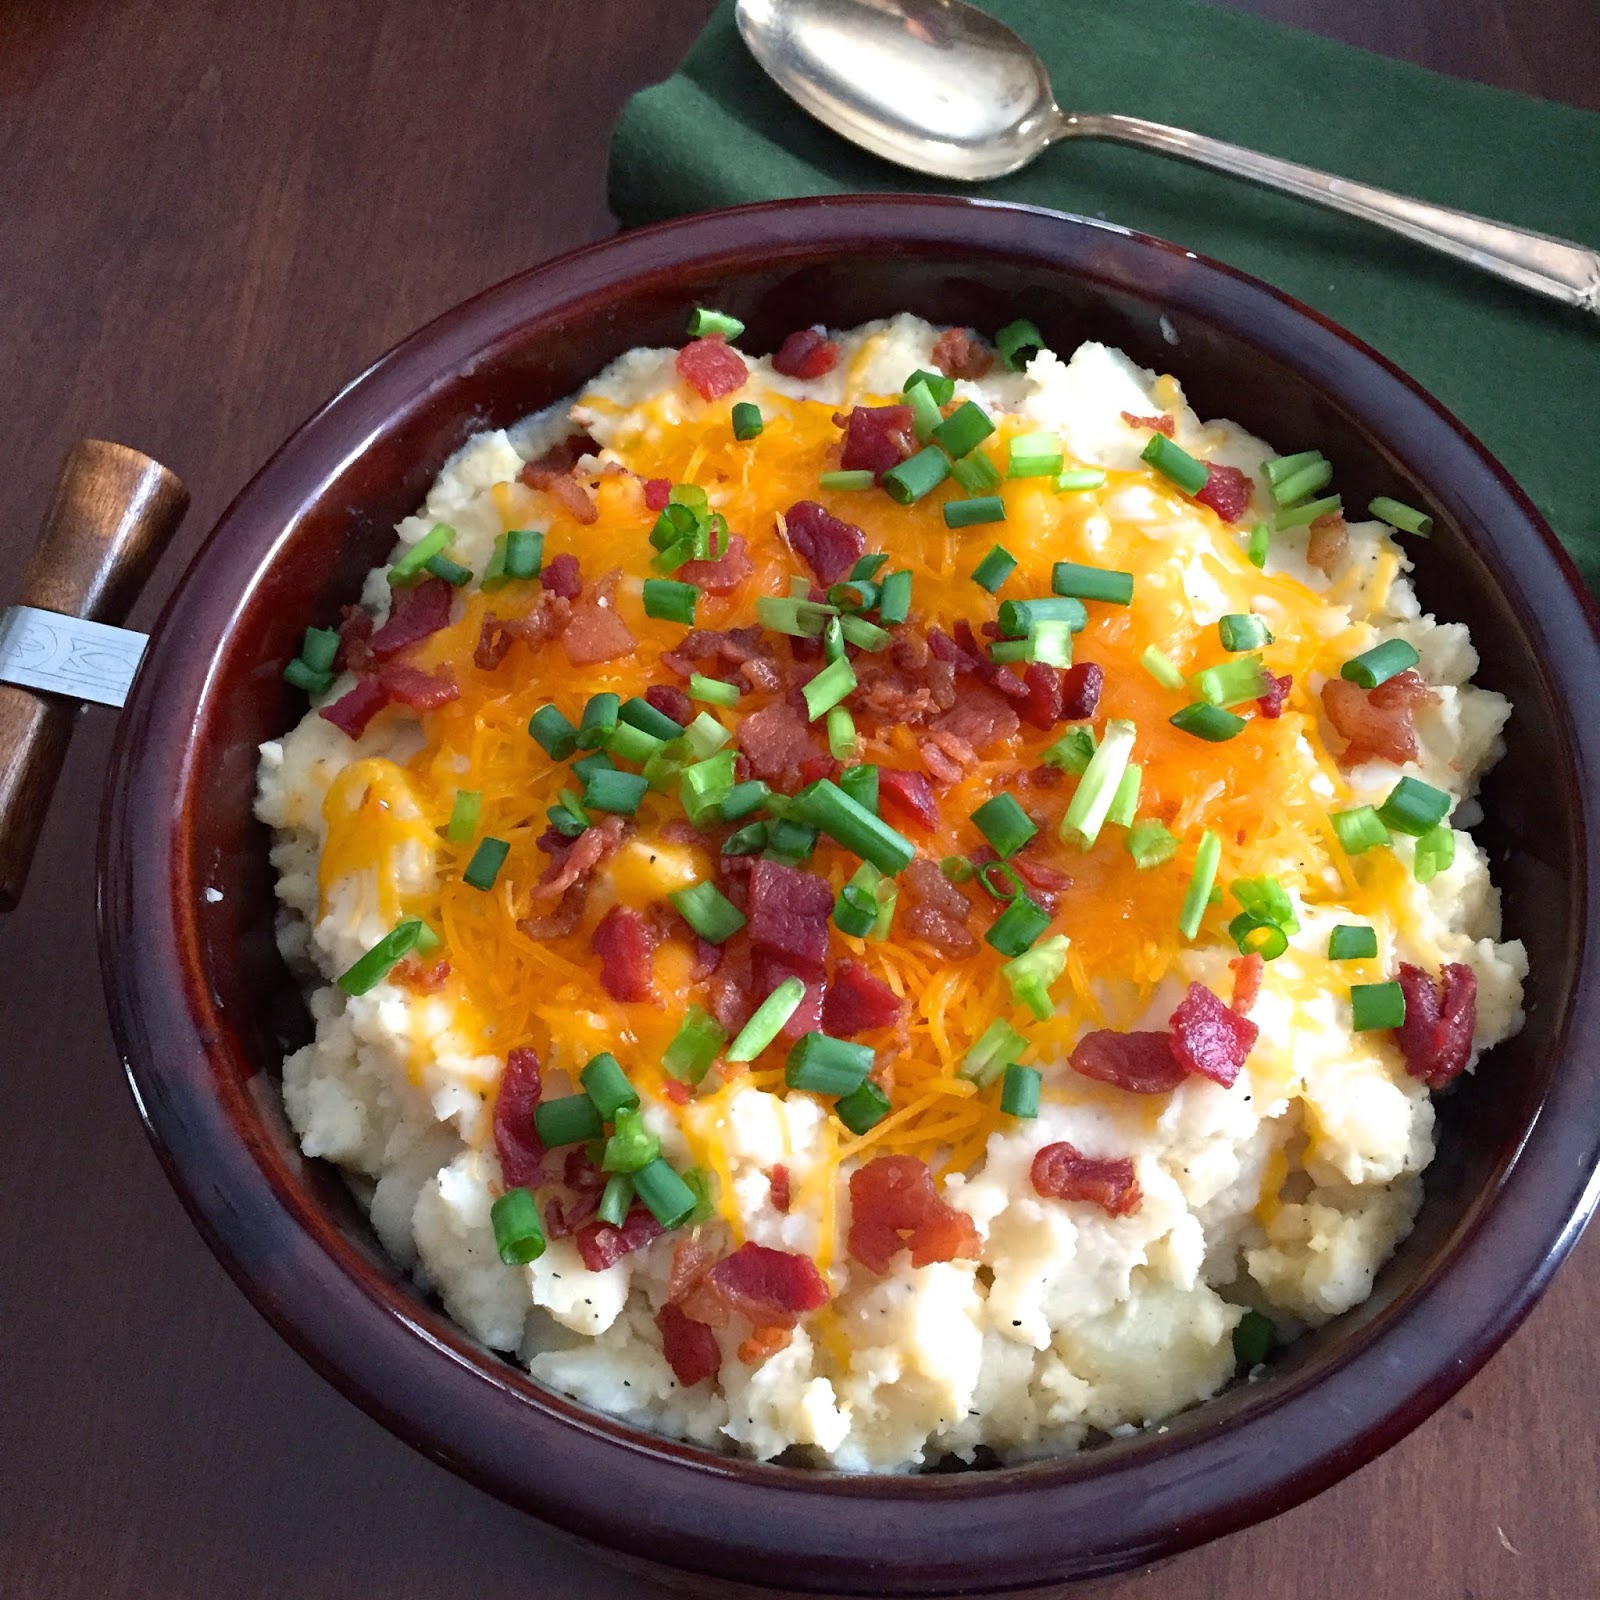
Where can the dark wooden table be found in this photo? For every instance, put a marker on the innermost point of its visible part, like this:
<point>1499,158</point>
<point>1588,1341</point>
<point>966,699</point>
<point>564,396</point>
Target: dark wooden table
<point>210,217</point>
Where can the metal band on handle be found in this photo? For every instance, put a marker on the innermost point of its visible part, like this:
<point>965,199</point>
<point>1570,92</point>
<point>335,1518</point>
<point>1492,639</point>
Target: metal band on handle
<point>68,656</point>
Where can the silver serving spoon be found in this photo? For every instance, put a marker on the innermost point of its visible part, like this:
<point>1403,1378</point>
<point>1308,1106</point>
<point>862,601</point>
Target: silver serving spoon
<point>941,87</point>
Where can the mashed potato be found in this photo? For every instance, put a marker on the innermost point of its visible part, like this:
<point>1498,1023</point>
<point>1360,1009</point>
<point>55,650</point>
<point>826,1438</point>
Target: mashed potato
<point>1043,1319</point>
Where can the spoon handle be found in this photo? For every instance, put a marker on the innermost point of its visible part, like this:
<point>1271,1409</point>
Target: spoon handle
<point>1556,267</point>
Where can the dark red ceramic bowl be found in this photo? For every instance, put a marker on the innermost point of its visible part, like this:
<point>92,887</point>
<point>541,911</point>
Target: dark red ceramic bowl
<point>204,1010</point>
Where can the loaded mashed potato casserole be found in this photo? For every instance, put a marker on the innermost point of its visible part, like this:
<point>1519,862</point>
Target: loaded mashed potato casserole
<point>894,900</point>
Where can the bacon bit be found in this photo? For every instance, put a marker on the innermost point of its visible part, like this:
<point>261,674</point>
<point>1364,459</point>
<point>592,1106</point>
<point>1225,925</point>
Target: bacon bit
<point>806,353</point>
<point>1330,538</point>
<point>690,1262</point>
<point>1272,702</point>
<point>776,739</point>
<point>562,456</point>
<point>415,612</point>
<point>936,911</point>
<point>1061,1172</point>
<point>1043,706</point>
<point>944,648</point>
<point>827,544</point>
<point>1436,1037</point>
<point>957,354</point>
<point>772,1288</point>
<point>1140,1063</point>
<point>734,648</point>
<point>689,1346</point>
<point>857,1001</point>
<point>763,1342</point>
<point>788,911</point>
<point>355,640</point>
<point>910,794</point>
<point>560,575</point>
<point>624,940</point>
<point>564,1215</point>
<point>1247,974</point>
<point>579,858</point>
<point>980,718</point>
<point>723,575</point>
<point>771,970</point>
<point>657,492</point>
<point>575,498</point>
<point>671,701</point>
<point>560,923</point>
<point>711,367</point>
<point>1377,722</point>
<point>778,1183</point>
<point>678,1093</point>
<point>516,1141</point>
<point>945,758</point>
<point>1226,490</point>
<point>894,1206</point>
<point>707,958</point>
<point>420,691</point>
<point>876,438</point>
<point>1042,778</point>
<point>353,710</point>
<point>602,1245</point>
<point>411,974</point>
<point>894,696</point>
<point>595,633</point>
<point>729,992</point>
<point>498,634</point>
<point>1162,424</point>
<point>1080,691</point>
<point>1208,1038</point>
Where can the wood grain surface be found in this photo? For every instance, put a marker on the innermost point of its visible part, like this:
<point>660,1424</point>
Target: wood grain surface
<point>211,216</point>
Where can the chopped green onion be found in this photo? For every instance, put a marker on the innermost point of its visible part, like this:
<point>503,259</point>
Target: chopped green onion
<point>1352,941</point>
<point>1358,829</point>
<point>306,677</point>
<point>854,479</point>
<point>486,862</point>
<point>1001,879</point>
<point>1305,513</point>
<point>452,572</point>
<point>1415,807</point>
<point>1072,752</point>
<point>1162,668</point>
<point>746,419</point>
<point>524,552</point>
<point>800,619</point>
<point>1019,617</point>
<point>829,687</point>
<point>748,841</point>
<point>670,601</point>
<point>1253,1338</point>
<point>1051,643</point>
<point>1034,455</point>
<point>868,567</point>
<point>1257,936</point>
<point>615,1199</point>
<point>553,733</point>
<point>1019,1091</point>
<point>915,477</point>
<point>464,816</point>
<point>828,807</point>
<point>639,713</point>
<point>617,792</point>
<point>569,1120</point>
<point>1231,683</point>
<point>703,1186</point>
<point>1198,895</point>
<point>705,736</point>
<point>320,648</point>
<point>963,430</point>
<point>976,473</point>
<point>1380,663</point>
<point>853,595</point>
<point>1151,844</point>
<point>713,691</point>
<point>1018,343</point>
<point>598,721</point>
<point>894,597</point>
<point>631,1145</point>
<point>517,1234</point>
<point>1399,515</point>
<point>1207,722</point>
<point>607,1085</point>
<point>864,635</point>
<point>568,817</point>
<point>1374,1006</point>
<point>742,799</point>
<point>1097,791</point>
<point>1436,850</point>
<point>1126,802</point>
<point>694,1046</point>
<point>708,911</point>
<point>1260,543</point>
<point>704,321</point>
<point>1293,487</point>
<point>373,967</point>
<point>1092,583</point>
<point>767,1020</point>
<point>1175,464</point>
<point>790,841</point>
<point>855,910</point>
<point>1080,478</point>
<point>864,1107</point>
<point>1018,926</point>
<point>925,412</point>
<point>599,761</point>
<point>1243,630</point>
<point>940,386</point>
<point>1012,649</point>
<point>1267,899</point>
<point>861,784</point>
<point>666,1196</point>
<point>969,513</point>
<point>1031,974</point>
<point>827,1066</point>
<point>421,553</point>
<point>957,869</point>
<point>841,734</point>
<point>1283,467</point>
<point>1004,824</point>
<point>994,569</point>
<point>992,1052</point>
<point>703,786</point>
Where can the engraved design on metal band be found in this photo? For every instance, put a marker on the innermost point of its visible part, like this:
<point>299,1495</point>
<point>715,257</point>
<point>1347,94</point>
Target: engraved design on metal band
<point>67,655</point>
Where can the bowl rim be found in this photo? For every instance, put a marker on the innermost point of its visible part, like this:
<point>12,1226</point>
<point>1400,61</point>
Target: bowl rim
<point>1130,1502</point>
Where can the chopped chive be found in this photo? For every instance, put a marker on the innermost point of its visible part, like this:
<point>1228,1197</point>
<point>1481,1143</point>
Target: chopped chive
<point>1019,1091</point>
<point>1018,617</point>
<point>421,553</point>
<point>1290,488</point>
<point>1399,515</point>
<point>320,648</point>
<point>1097,790</point>
<point>868,567</point>
<point>708,911</point>
<point>1268,899</point>
<point>616,792</point>
<point>750,840</point>
<point>1001,879</point>
<point>742,799</point>
<point>670,601</point>
<point>1072,752</point>
<point>925,412</point>
<point>464,816</point>
<point>494,574</point>
<point>1207,722</point>
<point>1018,343</point>
<point>1126,802</point>
<point>1011,650</point>
<point>828,688</point>
<point>1151,844</point>
<point>553,733</point>
<point>1283,467</point>
<point>1050,642</point>
<point>790,841</point>
<point>1253,1338</point>
<point>894,597</point>
<point>1352,942</point>
<point>1175,464</point>
<point>704,321</point>
<point>864,1107</point>
<point>746,418</point>
<point>1258,936</point>
<point>666,1196</point>
<point>1374,1006</point>
<point>639,713</point>
<point>916,476</point>
<point>518,1236</point>
<point>1436,850</point>
<point>1031,974</point>
<point>969,513</point>
<point>452,572</point>
<point>567,818</point>
<point>703,1186</point>
<point>486,862</point>
<point>1162,668</point>
<point>828,807</point>
<point>826,1065</point>
<point>991,1053</point>
<point>1243,630</point>
<point>598,721</point>
<point>994,569</point>
<point>524,552</point>
<point>855,910</point>
<point>1198,895</point>
<point>599,761</point>
<point>767,1020</point>
<point>615,1199</point>
<point>1092,583</point>
<point>713,691</point>
<point>939,385</point>
<point>841,734</point>
<point>957,869</point>
<point>705,736</point>
<point>800,619</point>
<point>373,967</point>
<point>569,1120</point>
<point>864,635</point>
<point>694,1046</point>
<point>1231,683</point>
<point>1358,829</point>
<point>963,430</point>
<point>1305,513</point>
<point>861,784</point>
<point>1415,807</point>
<point>1080,478</point>
<point>1380,663</point>
<point>704,785</point>
<point>1018,926</point>
<point>306,677</point>
<point>607,1085</point>
<point>852,480</point>
<point>853,595</point>
<point>976,473</point>
<point>631,1144</point>
<point>1034,455</point>
<point>1260,543</point>
<point>1004,824</point>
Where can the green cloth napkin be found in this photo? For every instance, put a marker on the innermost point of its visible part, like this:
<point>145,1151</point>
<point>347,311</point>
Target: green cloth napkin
<point>1521,372</point>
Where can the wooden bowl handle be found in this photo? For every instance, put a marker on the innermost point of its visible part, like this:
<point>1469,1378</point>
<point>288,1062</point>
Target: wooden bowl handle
<point>113,512</point>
